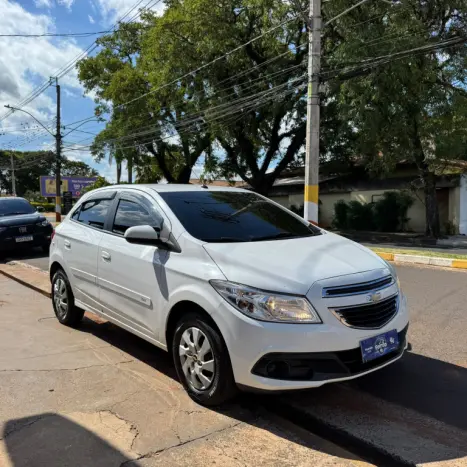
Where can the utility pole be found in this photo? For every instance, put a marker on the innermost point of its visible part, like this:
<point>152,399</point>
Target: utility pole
<point>58,181</point>
<point>312,122</point>
<point>13,180</point>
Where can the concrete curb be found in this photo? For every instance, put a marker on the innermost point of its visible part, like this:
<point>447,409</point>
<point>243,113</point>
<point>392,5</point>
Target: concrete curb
<point>426,260</point>
<point>27,275</point>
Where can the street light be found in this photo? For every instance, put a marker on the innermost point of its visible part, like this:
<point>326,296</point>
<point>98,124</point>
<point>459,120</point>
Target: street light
<point>31,115</point>
<point>58,139</point>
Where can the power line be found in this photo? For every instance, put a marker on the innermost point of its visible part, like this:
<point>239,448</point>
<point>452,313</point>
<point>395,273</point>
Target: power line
<point>250,84</point>
<point>66,68</point>
<point>50,34</point>
<point>236,49</point>
<point>388,58</point>
<point>260,99</point>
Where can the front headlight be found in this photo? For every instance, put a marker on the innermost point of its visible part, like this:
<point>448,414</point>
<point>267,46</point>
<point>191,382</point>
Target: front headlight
<point>267,306</point>
<point>393,272</point>
<point>44,223</point>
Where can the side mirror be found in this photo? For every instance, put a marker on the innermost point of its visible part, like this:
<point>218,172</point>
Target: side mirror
<point>160,236</point>
<point>40,209</point>
<point>142,234</point>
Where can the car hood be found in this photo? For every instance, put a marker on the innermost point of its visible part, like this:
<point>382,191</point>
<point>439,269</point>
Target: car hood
<point>21,219</point>
<point>294,265</point>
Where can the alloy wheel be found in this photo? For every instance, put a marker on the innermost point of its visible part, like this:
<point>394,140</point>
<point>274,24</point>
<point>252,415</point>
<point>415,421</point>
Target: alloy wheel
<point>197,358</point>
<point>60,297</point>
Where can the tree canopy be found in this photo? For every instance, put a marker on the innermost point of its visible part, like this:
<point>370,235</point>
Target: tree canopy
<point>223,85</point>
<point>32,164</point>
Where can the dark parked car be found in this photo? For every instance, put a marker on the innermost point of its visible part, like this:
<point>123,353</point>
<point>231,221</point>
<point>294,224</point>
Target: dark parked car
<point>21,226</point>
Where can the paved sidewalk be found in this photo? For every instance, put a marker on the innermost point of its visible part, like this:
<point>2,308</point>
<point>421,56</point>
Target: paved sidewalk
<point>100,397</point>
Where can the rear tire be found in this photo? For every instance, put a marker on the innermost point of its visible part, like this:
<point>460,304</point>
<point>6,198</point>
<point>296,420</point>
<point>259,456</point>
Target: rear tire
<point>64,302</point>
<point>202,361</point>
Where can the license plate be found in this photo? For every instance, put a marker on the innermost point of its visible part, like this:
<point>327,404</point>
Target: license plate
<point>377,346</point>
<point>26,238</point>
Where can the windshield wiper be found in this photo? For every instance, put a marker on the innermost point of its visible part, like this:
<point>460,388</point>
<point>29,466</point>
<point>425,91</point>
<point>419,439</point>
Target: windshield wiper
<point>278,236</point>
<point>226,240</point>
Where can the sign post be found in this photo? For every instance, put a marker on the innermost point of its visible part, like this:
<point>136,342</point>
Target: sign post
<point>67,202</point>
<point>76,185</point>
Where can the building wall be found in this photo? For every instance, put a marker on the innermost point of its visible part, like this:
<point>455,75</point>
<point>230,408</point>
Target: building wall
<point>282,200</point>
<point>463,205</point>
<point>454,207</point>
<point>326,207</point>
<point>416,213</point>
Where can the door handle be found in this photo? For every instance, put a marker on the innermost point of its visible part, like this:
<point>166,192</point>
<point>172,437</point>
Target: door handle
<point>106,256</point>
<point>67,244</point>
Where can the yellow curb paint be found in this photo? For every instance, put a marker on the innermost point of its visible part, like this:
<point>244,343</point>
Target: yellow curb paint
<point>311,193</point>
<point>386,256</point>
<point>459,263</point>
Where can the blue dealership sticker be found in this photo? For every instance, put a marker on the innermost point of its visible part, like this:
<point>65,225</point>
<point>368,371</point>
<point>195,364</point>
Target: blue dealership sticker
<point>377,346</point>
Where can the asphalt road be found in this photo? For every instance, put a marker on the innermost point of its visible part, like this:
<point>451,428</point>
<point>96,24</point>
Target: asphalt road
<point>34,256</point>
<point>437,364</point>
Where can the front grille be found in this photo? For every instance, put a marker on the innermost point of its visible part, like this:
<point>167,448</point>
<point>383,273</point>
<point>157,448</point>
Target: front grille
<point>355,289</point>
<point>372,316</point>
<point>322,366</point>
<point>23,229</point>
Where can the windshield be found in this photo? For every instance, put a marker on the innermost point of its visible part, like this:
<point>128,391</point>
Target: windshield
<point>15,206</point>
<point>228,216</point>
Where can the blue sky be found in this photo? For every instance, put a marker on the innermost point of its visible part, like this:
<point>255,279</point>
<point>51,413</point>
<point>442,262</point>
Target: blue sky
<point>26,63</point>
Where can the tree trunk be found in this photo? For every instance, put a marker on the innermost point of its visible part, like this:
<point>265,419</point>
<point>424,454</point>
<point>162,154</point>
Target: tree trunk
<point>119,171</point>
<point>184,175</point>
<point>429,185</point>
<point>431,204</point>
<point>129,165</point>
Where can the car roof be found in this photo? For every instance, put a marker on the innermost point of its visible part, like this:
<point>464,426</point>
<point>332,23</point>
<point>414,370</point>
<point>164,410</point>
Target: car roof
<point>9,198</point>
<point>174,187</point>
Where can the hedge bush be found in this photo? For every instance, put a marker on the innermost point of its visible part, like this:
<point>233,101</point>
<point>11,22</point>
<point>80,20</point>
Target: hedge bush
<point>389,214</point>
<point>341,214</point>
<point>48,207</point>
<point>360,216</point>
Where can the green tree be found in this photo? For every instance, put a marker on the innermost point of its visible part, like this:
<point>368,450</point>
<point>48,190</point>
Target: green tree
<point>32,164</point>
<point>245,113</point>
<point>410,106</point>
<point>117,75</point>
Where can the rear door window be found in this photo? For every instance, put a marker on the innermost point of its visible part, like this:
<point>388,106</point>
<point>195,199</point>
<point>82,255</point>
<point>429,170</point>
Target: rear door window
<point>94,212</point>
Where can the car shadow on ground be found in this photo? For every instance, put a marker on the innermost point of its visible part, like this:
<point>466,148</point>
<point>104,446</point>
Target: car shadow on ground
<point>427,385</point>
<point>419,383</point>
<point>51,440</point>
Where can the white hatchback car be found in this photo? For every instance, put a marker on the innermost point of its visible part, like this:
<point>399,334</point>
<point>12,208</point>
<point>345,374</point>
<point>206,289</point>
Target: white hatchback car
<point>241,291</point>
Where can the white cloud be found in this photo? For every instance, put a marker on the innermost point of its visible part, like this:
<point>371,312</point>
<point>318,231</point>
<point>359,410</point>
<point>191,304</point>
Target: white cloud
<point>26,63</point>
<point>43,3</point>
<point>113,10</point>
<point>66,3</point>
<point>91,19</point>
<point>49,3</point>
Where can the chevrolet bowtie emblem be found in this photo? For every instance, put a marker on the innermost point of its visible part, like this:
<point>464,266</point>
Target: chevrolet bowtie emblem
<point>373,297</point>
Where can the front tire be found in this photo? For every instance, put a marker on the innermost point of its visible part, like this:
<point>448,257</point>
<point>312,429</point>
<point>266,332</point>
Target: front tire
<point>202,361</point>
<point>64,302</point>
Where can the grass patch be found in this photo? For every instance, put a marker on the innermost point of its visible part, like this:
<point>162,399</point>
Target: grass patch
<point>431,254</point>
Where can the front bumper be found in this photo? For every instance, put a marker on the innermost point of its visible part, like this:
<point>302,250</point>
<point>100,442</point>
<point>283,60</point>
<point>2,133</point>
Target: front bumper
<point>8,243</point>
<point>252,342</point>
